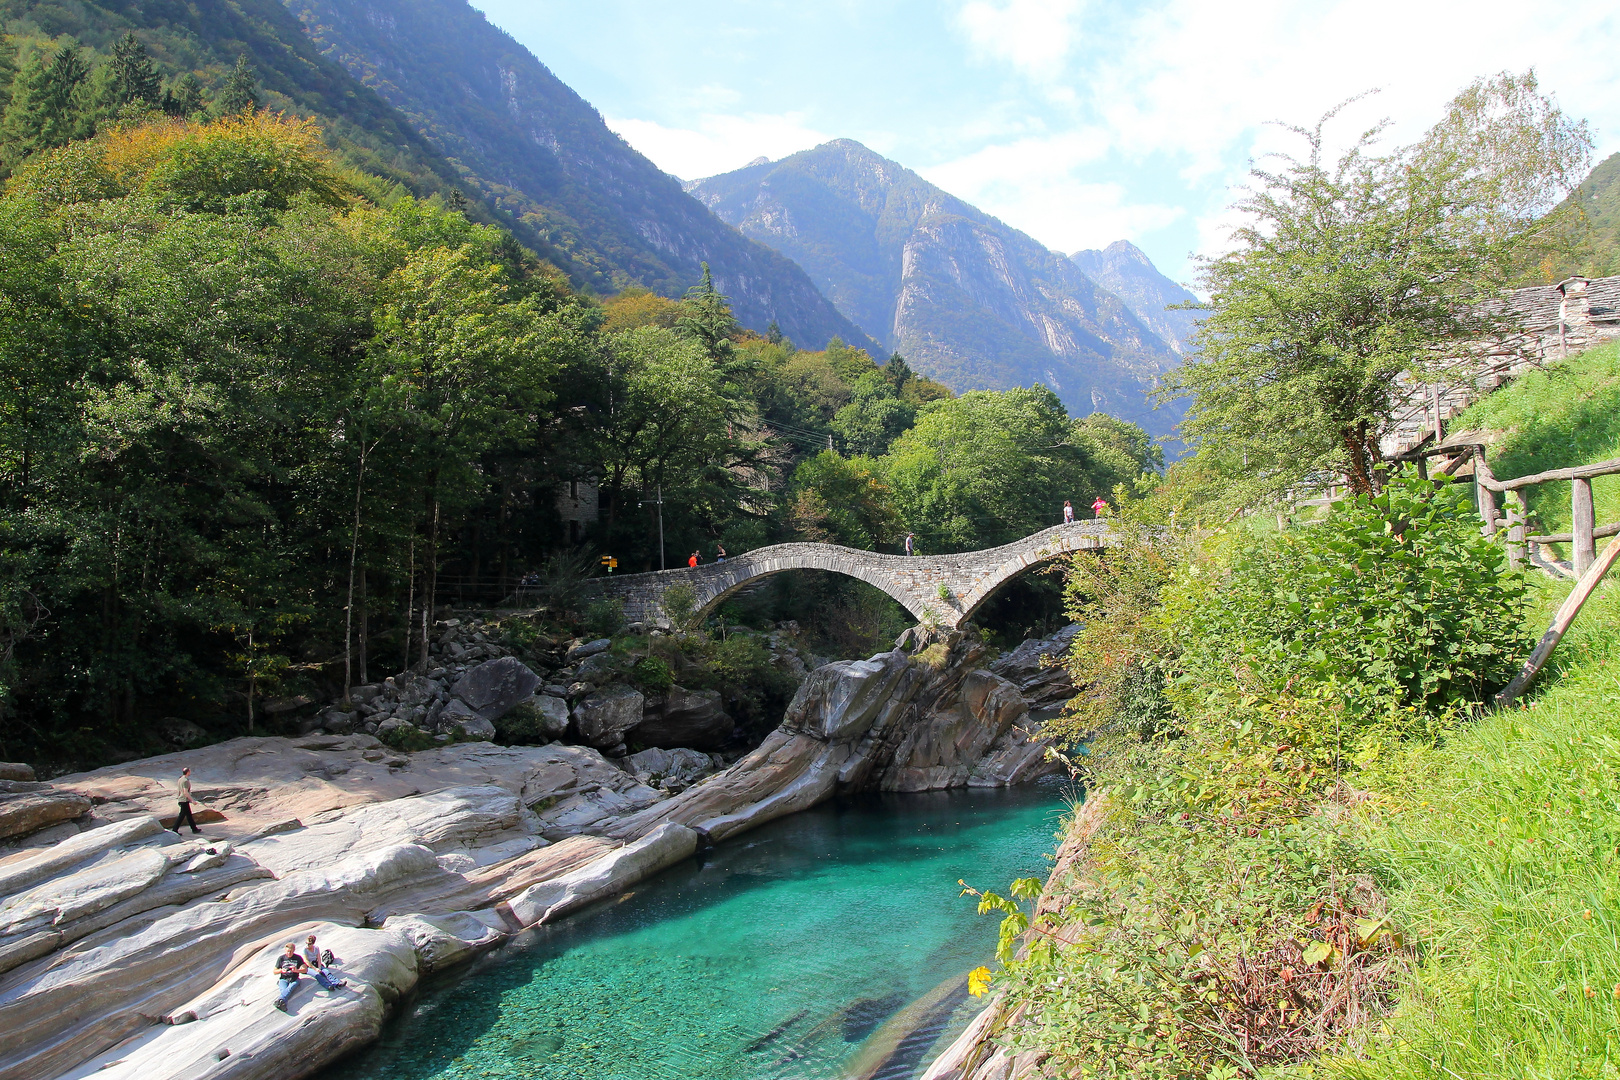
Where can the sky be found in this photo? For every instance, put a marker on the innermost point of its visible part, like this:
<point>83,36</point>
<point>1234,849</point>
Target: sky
<point>1080,122</point>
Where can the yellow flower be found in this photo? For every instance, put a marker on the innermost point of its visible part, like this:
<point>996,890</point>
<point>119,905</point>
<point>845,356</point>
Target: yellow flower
<point>979,981</point>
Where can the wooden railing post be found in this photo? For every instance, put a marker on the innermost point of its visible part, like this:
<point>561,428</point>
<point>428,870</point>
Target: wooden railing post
<point>1484,497</point>
<point>1582,522</point>
<point>1518,514</point>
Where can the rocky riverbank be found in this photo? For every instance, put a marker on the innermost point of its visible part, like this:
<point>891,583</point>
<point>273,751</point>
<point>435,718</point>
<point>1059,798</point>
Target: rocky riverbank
<point>126,950</point>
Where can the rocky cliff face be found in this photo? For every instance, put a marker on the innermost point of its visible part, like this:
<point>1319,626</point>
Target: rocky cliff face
<point>967,299</point>
<point>535,148</point>
<point>1124,270</point>
<point>127,950</point>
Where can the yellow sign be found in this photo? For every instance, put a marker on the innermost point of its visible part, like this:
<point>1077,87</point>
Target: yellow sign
<point>610,562</point>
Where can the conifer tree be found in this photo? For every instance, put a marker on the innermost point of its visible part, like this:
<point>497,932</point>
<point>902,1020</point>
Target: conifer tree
<point>45,110</point>
<point>134,78</point>
<point>184,97</point>
<point>708,320</point>
<point>240,94</point>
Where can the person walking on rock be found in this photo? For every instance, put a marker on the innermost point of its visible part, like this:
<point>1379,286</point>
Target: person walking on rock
<point>694,560</point>
<point>183,790</point>
<point>1068,512</point>
<point>320,964</point>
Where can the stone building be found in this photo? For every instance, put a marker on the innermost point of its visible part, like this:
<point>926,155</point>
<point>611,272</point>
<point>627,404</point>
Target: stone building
<point>579,505</point>
<point>1557,320</point>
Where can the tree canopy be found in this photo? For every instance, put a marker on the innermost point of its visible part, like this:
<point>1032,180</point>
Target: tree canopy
<point>1351,269</point>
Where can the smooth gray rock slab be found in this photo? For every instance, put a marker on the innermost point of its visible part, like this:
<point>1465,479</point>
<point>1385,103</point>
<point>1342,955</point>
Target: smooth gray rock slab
<point>493,687</point>
<point>839,701</point>
<point>24,812</point>
<point>617,870</point>
<point>603,717</point>
<point>692,718</point>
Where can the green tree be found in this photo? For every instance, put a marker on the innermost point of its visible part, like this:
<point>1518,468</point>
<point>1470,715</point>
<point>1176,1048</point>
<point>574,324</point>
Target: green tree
<point>240,92</point>
<point>990,467</point>
<point>838,500</point>
<point>46,109</point>
<point>875,418</point>
<point>706,318</point>
<point>1355,269</point>
<point>131,78</point>
<point>184,97</point>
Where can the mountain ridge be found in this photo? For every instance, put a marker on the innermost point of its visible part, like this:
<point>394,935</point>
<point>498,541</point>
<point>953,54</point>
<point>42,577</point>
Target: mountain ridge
<point>531,145</point>
<point>1125,270</point>
<point>966,298</point>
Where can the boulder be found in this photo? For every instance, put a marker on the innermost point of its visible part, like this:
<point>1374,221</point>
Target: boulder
<point>589,648</point>
<point>16,770</point>
<point>672,770</point>
<point>691,718</point>
<point>24,812</point>
<point>493,687</point>
<point>553,714</point>
<point>442,941</point>
<point>839,701</point>
<point>458,718</point>
<point>597,666</point>
<point>603,717</point>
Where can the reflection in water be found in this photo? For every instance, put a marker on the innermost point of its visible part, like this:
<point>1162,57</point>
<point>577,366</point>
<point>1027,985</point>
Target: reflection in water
<point>831,943</point>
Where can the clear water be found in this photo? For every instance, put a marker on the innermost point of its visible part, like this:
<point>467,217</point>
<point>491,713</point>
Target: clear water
<point>833,943</point>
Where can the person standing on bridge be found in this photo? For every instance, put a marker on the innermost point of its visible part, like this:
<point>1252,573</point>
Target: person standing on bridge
<point>909,537</point>
<point>694,560</point>
<point>719,553</point>
<point>1100,507</point>
<point>1068,512</point>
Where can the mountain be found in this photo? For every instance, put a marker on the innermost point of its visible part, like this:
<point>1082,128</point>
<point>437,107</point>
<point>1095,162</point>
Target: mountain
<point>1125,271</point>
<point>968,300</point>
<point>1599,196</point>
<point>529,145</point>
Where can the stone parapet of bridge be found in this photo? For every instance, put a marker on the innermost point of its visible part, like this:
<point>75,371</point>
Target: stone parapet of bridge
<point>968,579</point>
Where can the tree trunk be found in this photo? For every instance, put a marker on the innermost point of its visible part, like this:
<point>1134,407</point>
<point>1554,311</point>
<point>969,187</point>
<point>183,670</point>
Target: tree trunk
<point>430,580</point>
<point>410,601</point>
<point>365,625</point>
<point>1357,472</point>
<point>348,606</point>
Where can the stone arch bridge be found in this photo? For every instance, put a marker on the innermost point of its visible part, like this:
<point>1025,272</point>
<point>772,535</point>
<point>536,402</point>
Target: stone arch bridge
<point>969,579</point>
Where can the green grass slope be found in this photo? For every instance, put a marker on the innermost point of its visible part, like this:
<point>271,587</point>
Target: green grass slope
<point>1567,414</point>
<point>1502,846</point>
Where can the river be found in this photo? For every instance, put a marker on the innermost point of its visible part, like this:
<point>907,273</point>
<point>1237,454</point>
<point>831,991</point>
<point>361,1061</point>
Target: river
<point>827,944</point>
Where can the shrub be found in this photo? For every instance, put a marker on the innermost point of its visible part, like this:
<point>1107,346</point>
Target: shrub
<point>603,618</point>
<point>408,738</point>
<point>652,675</point>
<point>520,726</point>
<point>680,607</point>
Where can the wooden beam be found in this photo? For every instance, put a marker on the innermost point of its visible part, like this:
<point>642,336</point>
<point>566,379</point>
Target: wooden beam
<point>1560,625</point>
<point>1583,472</point>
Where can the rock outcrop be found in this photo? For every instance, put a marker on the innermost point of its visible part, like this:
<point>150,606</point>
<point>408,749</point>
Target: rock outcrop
<point>128,950</point>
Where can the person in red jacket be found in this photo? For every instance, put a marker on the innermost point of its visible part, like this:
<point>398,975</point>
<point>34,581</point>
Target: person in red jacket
<point>1099,507</point>
<point>693,561</point>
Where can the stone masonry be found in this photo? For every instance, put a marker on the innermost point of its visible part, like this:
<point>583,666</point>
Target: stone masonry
<point>969,578</point>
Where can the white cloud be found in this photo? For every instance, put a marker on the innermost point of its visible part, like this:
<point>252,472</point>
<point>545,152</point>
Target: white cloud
<point>1035,36</point>
<point>718,143</point>
<point>1038,185</point>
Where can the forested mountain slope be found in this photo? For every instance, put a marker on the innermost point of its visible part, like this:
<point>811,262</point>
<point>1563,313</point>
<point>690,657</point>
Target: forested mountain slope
<point>967,299</point>
<point>1125,270</point>
<point>206,39</point>
<point>1599,196</point>
<point>535,148</point>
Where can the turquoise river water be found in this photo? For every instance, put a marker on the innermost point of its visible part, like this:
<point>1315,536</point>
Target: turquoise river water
<point>833,943</point>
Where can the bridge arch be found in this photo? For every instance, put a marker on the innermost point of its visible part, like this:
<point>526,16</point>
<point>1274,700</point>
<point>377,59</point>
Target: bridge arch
<point>969,578</point>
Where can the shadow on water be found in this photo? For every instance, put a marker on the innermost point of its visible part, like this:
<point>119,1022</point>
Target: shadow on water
<point>831,942</point>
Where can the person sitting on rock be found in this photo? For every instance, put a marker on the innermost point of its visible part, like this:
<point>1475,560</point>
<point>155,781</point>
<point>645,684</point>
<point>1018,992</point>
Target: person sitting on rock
<point>289,965</point>
<point>320,963</point>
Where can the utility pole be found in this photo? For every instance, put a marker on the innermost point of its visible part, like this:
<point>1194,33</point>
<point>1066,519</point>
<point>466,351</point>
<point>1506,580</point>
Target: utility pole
<point>658,502</point>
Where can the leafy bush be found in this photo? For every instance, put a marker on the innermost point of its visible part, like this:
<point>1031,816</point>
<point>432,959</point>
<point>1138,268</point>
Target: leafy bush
<point>652,675</point>
<point>408,738</point>
<point>521,726</point>
<point>603,618</point>
<point>681,607</point>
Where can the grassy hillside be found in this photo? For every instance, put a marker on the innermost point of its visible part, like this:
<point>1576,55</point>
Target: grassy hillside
<point>1565,415</point>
